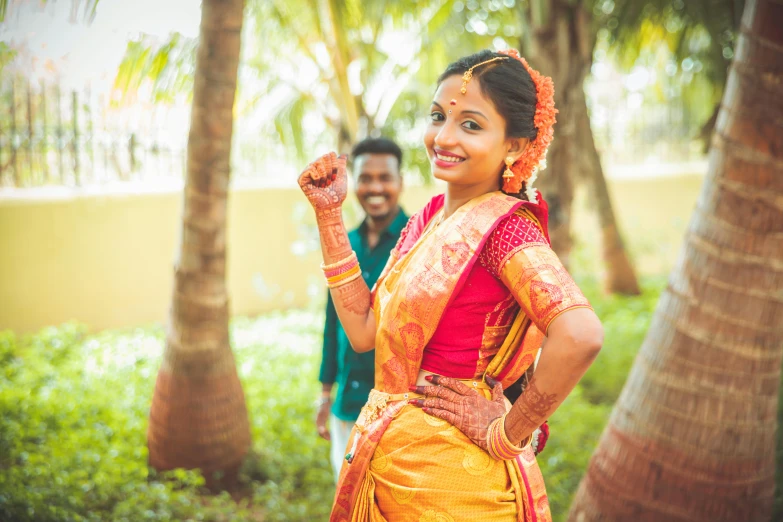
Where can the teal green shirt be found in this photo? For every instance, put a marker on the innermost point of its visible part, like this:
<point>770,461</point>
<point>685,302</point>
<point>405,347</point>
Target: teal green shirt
<point>354,373</point>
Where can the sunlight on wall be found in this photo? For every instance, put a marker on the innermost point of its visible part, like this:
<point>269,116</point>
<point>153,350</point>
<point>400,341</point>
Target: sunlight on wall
<point>107,259</point>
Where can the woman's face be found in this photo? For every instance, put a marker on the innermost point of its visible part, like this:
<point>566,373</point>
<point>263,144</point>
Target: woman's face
<point>466,142</point>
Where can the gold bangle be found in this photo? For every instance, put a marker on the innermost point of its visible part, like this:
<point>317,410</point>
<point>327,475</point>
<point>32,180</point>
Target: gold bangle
<point>345,275</point>
<point>491,440</point>
<point>341,262</point>
<point>338,284</point>
<point>511,446</point>
<point>498,445</point>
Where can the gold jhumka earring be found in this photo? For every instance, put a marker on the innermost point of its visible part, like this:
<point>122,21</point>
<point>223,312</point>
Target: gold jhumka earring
<point>508,174</point>
<point>468,75</point>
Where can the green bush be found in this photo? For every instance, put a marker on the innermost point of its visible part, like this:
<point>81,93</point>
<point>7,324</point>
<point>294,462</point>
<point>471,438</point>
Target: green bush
<point>73,420</point>
<point>578,423</point>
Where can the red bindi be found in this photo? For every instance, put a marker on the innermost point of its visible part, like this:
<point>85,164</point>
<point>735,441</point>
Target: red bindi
<point>453,102</point>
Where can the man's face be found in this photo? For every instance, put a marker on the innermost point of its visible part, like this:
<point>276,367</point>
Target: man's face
<point>378,183</point>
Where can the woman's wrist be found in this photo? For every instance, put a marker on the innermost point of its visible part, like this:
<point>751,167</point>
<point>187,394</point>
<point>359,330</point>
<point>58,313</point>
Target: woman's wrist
<point>334,237</point>
<point>515,437</point>
<point>499,446</point>
<point>329,216</point>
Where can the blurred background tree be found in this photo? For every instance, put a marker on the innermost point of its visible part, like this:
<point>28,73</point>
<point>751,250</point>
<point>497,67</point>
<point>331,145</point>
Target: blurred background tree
<point>316,72</point>
<point>692,436</point>
<point>198,417</point>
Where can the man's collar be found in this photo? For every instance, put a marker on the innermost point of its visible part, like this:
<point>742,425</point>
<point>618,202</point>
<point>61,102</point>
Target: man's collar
<point>398,223</point>
<point>394,228</point>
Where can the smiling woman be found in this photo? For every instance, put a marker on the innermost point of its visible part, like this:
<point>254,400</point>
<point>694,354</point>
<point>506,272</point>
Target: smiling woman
<point>460,312</point>
<point>467,147</point>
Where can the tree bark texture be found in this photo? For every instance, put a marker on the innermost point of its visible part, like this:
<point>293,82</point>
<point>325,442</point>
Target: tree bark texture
<point>692,436</point>
<point>198,417</point>
<point>620,273</point>
<point>555,49</point>
<point>563,49</point>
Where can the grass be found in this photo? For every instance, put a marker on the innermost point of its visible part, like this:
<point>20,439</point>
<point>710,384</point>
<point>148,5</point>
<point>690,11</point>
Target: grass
<point>73,418</point>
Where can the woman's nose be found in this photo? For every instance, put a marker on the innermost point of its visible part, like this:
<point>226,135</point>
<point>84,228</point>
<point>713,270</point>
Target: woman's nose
<point>445,137</point>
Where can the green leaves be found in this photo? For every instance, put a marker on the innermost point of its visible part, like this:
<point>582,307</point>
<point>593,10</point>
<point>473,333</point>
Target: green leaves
<point>73,420</point>
<point>167,66</point>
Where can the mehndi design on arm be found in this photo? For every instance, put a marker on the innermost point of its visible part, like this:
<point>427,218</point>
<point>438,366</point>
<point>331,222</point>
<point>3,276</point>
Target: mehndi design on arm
<point>529,411</point>
<point>354,296</point>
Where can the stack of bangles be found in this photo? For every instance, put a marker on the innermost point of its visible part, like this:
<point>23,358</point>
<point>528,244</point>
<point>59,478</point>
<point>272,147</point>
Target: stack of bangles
<point>342,272</point>
<point>498,445</point>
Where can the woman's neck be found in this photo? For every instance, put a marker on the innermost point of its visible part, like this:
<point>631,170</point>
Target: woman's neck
<point>458,195</point>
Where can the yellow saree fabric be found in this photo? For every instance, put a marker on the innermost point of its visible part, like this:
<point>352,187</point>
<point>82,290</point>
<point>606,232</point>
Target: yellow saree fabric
<point>405,465</point>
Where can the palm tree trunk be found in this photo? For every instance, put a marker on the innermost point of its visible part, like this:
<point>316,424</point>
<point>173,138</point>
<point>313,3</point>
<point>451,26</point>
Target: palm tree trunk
<point>198,417</point>
<point>692,436</point>
<point>341,59</point>
<point>563,48</point>
<point>549,48</point>
<point>620,273</point>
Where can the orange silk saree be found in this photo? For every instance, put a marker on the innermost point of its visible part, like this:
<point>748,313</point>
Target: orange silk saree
<point>402,464</point>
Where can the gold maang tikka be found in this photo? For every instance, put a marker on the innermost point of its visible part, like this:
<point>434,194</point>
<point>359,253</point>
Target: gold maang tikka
<point>468,75</point>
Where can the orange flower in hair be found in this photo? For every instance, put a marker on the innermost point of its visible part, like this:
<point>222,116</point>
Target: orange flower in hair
<point>533,159</point>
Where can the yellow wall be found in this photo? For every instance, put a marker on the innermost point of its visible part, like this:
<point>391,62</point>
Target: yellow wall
<point>107,260</point>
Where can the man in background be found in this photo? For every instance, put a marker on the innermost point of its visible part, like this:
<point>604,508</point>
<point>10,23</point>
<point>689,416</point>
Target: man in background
<point>375,163</point>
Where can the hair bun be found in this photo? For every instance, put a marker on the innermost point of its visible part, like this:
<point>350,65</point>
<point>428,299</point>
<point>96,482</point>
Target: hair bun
<point>533,158</point>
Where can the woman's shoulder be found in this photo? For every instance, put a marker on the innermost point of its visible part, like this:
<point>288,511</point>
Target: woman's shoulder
<point>513,233</point>
<point>418,222</point>
<point>432,207</point>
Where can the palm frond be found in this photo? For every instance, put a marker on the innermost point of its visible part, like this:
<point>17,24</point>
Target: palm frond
<point>168,65</point>
<point>289,124</point>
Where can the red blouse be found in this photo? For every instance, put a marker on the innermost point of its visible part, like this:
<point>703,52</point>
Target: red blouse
<point>475,323</point>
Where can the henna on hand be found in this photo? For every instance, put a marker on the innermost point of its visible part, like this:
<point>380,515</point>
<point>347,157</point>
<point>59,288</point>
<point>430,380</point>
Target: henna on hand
<point>461,406</point>
<point>529,412</point>
<point>325,182</point>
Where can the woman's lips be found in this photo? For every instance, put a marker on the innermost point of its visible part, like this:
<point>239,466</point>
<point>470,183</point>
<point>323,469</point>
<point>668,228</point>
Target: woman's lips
<point>445,159</point>
<point>444,164</point>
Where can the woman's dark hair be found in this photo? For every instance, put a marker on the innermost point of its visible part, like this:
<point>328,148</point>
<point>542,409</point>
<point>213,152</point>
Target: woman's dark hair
<point>507,84</point>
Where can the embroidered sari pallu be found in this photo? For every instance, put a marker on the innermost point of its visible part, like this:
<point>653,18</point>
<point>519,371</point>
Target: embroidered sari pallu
<point>405,465</point>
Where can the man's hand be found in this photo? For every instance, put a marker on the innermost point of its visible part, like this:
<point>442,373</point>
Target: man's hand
<point>322,419</point>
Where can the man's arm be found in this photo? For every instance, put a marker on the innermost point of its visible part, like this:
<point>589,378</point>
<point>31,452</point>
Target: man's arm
<point>328,372</point>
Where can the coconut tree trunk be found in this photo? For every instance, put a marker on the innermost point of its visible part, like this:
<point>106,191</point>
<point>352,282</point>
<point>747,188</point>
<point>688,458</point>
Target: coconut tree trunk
<point>549,44</point>
<point>563,49</point>
<point>692,436</point>
<point>198,417</point>
<point>620,273</point>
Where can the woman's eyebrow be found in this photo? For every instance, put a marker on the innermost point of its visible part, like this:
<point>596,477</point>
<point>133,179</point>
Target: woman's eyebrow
<point>475,112</point>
